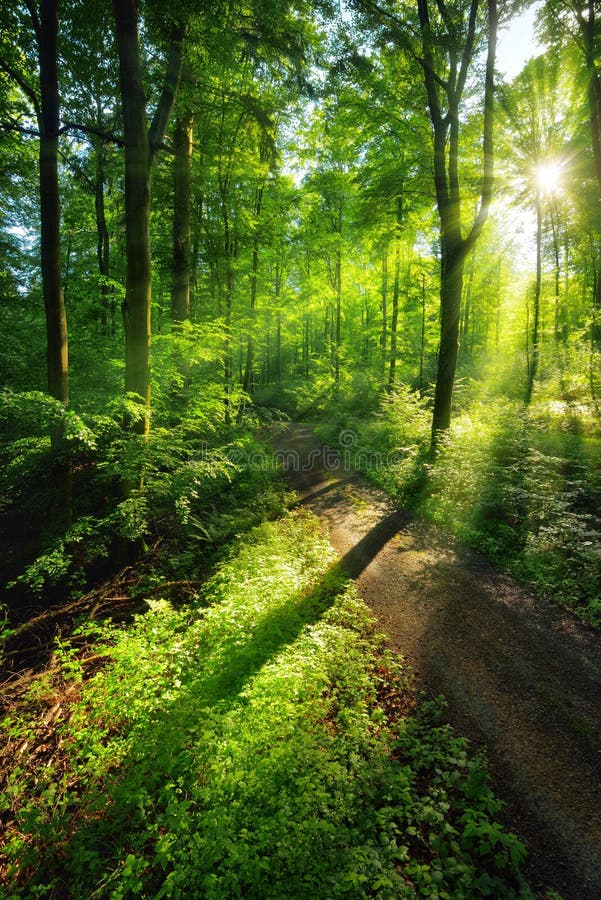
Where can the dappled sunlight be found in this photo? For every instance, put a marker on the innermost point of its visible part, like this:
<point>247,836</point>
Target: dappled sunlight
<point>259,743</point>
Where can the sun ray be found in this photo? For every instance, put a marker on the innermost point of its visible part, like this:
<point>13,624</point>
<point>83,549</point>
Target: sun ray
<point>548,177</point>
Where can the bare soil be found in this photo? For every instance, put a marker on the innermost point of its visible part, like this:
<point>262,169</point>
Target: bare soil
<point>521,676</point>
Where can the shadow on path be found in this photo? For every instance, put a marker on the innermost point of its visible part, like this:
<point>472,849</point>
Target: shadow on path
<point>521,676</point>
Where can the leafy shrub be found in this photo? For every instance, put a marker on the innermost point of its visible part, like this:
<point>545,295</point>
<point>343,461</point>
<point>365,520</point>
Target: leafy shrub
<point>238,747</point>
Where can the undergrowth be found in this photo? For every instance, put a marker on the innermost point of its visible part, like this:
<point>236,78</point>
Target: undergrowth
<point>256,743</point>
<point>199,489</point>
<point>521,485</point>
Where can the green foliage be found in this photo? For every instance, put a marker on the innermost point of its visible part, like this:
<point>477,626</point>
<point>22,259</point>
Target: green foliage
<point>238,747</point>
<point>521,485</point>
<point>390,445</point>
<point>526,490</point>
<point>201,485</point>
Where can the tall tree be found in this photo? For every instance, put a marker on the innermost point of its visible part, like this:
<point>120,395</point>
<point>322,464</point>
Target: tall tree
<point>445,40</point>
<point>142,142</point>
<point>449,45</point>
<point>182,203</point>
<point>44,99</point>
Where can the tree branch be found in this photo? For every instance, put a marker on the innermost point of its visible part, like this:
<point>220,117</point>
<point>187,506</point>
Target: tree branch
<point>427,63</point>
<point>468,49</point>
<point>35,19</point>
<point>26,88</point>
<point>106,136</point>
<point>21,129</point>
<point>170,87</point>
<point>76,170</point>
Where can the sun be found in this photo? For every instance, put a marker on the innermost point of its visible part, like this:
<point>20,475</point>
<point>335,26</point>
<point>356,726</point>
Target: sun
<point>548,178</point>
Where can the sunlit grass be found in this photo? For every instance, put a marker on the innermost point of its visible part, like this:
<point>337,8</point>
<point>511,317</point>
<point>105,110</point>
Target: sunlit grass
<point>520,483</point>
<point>238,749</point>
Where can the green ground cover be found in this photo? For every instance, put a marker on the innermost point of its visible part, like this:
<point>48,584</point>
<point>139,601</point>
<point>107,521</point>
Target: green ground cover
<point>256,742</point>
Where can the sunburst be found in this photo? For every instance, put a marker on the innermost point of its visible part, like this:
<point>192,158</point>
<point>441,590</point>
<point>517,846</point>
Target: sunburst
<point>549,178</point>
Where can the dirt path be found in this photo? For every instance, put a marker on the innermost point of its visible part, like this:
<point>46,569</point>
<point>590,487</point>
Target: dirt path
<point>520,676</point>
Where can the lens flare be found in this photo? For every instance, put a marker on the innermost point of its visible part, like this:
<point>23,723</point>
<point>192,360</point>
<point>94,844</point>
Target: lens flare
<point>548,178</point>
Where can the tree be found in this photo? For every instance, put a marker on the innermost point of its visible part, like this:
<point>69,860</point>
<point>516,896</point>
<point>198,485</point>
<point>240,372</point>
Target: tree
<point>182,203</point>
<point>450,35</point>
<point>45,102</point>
<point>142,142</point>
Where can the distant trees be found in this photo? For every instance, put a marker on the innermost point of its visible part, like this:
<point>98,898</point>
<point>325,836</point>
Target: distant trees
<point>306,216</point>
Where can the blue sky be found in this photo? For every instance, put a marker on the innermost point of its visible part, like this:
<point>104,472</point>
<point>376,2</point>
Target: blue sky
<point>518,43</point>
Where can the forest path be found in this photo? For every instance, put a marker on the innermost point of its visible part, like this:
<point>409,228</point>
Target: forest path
<point>521,676</point>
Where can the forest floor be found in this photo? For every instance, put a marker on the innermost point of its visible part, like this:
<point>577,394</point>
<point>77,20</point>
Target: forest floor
<point>521,676</point>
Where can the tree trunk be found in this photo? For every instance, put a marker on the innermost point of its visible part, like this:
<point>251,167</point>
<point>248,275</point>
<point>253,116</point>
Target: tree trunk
<point>56,317</point>
<point>57,352</point>
<point>446,130</point>
<point>588,28</point>
<point>394,318</point>
<point>422,342</point>
<point>278,327</point>
<point>138,179</point>
<point>278,347</point>
<point>182,165</point>
<point>534,343</point>
<point>102,244</point>
<point>195,253</point>
<point>248,382</point>
<point>453,260</point>
<point>384,334</point>
<point>228,343</point>
<point>467,304</point>
<point>338,312</point>
<point>141,142</point>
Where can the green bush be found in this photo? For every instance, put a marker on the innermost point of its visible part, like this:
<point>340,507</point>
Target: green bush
<point>244,747</point>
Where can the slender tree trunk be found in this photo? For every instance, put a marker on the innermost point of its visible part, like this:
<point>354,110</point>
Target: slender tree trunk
<point>422,343</point>
<point>228,348</point>
<point>56,317</point>
<point>182,165</point>
<point>278,321</point>
<point>384,334</point>
<point>366,331</point>
<point>50,251</point>
<point>557,307</point>
<point>195,253</point>
<point>278,347</point>
<point>467,305</point>
<point>102,243</point>
<point>141,142</point>
<point>534,343</point>
<point>394,318</point>
<point>248,381</point>
<point>67,267</point>
<point>338,319</point>
<point>586,20</point>
<point>306,343</point>
<point>138,168</point>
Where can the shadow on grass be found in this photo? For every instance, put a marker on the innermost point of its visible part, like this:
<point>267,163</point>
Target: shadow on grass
<point>112,811</point>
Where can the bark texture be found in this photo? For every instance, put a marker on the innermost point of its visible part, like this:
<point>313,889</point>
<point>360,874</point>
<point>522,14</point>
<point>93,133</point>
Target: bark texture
<point>444,93</point>
<point>141,144</point>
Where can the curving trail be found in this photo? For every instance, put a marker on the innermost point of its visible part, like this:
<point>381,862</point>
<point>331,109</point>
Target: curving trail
<point>521,676</point>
